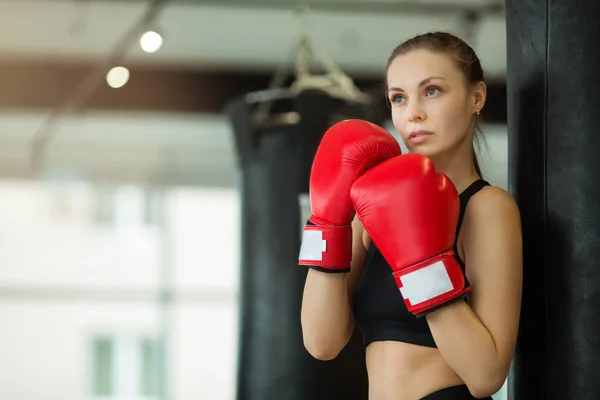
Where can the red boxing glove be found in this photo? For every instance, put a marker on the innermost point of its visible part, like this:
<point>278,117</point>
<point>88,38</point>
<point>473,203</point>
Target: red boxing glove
<point>346,151</point>
<point>411,213</point>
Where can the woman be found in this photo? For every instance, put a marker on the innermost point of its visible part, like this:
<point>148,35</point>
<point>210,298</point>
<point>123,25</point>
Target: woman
<point>436,89</point>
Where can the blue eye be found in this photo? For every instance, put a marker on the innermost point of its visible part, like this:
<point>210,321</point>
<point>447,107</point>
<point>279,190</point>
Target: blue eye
<point>432,91</point>
<point>397,99</point>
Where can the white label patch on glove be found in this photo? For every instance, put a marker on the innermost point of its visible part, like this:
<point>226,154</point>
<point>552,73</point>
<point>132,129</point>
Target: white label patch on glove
<point>313,246</point>
<point>426,283</point>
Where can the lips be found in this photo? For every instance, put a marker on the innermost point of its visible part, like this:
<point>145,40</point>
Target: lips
<point>419,136</point>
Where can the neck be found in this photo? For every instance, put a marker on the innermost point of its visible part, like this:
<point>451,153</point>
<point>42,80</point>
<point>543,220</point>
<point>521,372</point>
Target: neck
<point>458,166</point>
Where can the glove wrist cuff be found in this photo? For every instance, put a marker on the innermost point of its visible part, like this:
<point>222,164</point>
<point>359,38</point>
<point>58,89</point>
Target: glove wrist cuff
<point>431,283</point>
<point>327,247</point>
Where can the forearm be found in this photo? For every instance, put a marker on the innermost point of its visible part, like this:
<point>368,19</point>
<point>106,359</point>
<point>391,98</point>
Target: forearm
<point>467,346</point>
<point>326,316</point>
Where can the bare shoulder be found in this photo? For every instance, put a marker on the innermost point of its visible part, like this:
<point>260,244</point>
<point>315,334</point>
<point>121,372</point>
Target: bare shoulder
<point>493,203</point>
<point>492,239</point>
<point>493,249</point>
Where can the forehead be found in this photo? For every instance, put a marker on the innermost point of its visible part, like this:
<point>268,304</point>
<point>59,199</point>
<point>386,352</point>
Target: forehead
<point>411,68</point>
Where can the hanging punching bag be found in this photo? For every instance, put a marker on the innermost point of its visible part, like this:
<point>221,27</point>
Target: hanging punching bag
<point>275,154</point>
<point>554,169</point>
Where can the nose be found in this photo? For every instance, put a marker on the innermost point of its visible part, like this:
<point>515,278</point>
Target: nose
<point>415,112</point>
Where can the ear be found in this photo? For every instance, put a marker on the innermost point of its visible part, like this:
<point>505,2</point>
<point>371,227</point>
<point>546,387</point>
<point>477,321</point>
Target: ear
<point>479,96</point>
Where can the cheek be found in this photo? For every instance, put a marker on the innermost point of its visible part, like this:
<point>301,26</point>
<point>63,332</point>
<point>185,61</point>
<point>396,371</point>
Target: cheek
<point>399,120</point>
<point>455,121</point>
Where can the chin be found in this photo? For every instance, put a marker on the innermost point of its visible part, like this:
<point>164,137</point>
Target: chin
<point>428,151</point>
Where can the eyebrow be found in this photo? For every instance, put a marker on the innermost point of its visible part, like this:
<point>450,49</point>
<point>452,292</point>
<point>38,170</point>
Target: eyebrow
<point>423,82</point>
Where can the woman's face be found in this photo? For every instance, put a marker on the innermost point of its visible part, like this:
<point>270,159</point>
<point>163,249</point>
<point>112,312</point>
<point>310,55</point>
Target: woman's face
<point>432,106</point>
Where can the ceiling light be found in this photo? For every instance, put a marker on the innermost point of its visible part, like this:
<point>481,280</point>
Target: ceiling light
<point>151,41</point>
<point>117,77</point>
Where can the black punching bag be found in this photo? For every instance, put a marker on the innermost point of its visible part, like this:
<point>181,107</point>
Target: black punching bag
<point>275,154</point>
<point>553,82</point>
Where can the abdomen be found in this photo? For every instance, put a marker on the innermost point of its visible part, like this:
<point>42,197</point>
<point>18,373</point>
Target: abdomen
<point>402,371</point>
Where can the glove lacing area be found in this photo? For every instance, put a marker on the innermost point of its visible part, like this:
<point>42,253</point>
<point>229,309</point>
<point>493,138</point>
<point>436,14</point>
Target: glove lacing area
<point>432,284</point>
<point>326,248</point>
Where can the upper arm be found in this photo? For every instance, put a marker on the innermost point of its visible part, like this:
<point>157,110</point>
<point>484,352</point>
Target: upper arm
<point>492,246</point>
<point>359,255</point>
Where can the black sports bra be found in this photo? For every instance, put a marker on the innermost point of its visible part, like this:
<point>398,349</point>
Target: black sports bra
<point>379,310</point>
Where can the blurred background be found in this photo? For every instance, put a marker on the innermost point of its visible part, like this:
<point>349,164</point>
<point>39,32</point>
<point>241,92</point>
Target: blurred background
<point>119,182</point>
